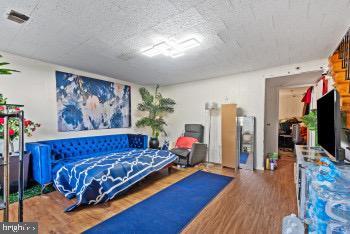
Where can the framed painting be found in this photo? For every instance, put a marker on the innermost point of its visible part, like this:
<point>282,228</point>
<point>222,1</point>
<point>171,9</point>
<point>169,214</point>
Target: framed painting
<point>85,103</point>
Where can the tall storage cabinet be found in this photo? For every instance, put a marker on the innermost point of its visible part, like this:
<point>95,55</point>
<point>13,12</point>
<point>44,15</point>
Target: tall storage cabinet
<point>229,135</point>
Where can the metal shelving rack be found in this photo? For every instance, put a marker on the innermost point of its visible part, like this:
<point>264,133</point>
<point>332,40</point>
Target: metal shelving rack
<point>9,113</point>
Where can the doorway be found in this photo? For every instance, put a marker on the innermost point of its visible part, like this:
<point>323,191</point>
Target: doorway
<point>291,110</point>
<point>272,107</point>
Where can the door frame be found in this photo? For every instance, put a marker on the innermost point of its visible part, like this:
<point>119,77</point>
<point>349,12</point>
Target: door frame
<point>271,109</point>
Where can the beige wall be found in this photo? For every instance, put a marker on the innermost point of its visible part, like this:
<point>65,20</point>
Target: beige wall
<point>247,90</point>
<point>35,87</point>
<point>290,104</point>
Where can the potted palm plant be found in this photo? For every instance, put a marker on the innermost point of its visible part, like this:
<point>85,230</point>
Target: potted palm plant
<point>156,106</point>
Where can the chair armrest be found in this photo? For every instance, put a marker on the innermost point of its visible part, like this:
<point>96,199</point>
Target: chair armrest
<point>41,162</point>
<point>198,153</point>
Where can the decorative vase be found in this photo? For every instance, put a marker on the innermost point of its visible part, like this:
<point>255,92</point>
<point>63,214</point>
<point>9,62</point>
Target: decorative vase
<point>11,148</point>
<point>154,143</point>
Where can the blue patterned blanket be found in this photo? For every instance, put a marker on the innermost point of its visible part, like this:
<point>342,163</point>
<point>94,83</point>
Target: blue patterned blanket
<point>99,179</point>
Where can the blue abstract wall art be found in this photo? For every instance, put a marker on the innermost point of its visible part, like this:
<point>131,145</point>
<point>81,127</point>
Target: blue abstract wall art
<point>85,103</point>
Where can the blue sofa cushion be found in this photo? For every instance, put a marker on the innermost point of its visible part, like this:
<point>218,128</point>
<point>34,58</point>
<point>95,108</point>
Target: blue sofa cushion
<point>71,148</point>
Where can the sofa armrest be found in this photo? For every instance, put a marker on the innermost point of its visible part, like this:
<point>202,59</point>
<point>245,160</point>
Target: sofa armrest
<point>41,162</point>
<point>145,141</point>
<point>198,153</point>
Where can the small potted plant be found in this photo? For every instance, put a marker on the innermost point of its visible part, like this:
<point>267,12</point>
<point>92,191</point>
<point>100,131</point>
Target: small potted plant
<point>310,120</point>
<point>156,106</point>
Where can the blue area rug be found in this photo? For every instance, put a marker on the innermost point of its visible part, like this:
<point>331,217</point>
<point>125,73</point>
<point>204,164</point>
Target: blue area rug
<point>243,157</point>
<point>168,211</point>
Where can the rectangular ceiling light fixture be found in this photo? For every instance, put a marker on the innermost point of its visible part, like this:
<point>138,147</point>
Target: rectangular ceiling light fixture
<point>173,49</point>
<point>150,52</point>
<point>160,48</point>
<point>17,17</point>
<point>189,44</point>
<point>176,54</point>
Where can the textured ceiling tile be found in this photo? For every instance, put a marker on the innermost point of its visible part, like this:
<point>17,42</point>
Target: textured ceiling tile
<point>8,31</point>
<point>23,6</point>
<point>25,48</point>
<point>93,47</point>
<point>180,22</point>
<point>213,20</point>
<point>106,36</point>
<point>222,9</point>
<point>147,13</point>
<point>142,40</point>
<point>74,17</point>
<point>183,5</point>
<point>212,40</point>
<point>64,9</point>
<point>136,19</point>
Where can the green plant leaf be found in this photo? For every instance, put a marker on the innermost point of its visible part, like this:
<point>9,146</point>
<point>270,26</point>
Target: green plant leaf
<point>310,120</point>
<point>147,98</point>
<point>6,71</point>
<point>156,106</point>
<point>143,107</point>
<point>2,99</point>
<point>14,123</point>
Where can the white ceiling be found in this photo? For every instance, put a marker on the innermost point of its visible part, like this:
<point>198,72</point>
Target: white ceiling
<point>105,37</point>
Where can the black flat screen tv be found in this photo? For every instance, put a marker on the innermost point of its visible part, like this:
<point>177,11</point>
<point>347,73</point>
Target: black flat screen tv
<point>329,124</point>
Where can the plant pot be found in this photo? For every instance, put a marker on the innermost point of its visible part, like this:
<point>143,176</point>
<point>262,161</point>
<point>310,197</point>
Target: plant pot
<point>154,143</point>
<point>14,167</point>
<point>11,148</point>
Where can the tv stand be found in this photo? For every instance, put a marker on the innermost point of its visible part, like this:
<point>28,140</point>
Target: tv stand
<point>305,156</point>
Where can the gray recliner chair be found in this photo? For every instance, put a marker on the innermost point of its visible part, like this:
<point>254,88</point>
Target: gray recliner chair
<point>198,152</point>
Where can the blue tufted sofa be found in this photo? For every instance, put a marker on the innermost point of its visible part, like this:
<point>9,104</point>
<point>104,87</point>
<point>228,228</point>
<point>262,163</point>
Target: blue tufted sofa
<point>46,155</point>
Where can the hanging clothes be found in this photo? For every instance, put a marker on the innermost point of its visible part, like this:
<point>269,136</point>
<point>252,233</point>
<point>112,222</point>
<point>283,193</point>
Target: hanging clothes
<point>307,101</point>
<point>307,97</point>
<point>324,85</point>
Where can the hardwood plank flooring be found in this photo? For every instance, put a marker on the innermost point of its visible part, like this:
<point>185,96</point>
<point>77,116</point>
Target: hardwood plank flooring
<point>254,202</point>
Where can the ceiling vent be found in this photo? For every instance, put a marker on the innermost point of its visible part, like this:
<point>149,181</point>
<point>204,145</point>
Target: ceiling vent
<point>17,17</point>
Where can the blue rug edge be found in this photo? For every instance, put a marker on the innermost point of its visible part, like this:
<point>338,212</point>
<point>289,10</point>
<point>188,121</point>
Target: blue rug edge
<point>229,178</point>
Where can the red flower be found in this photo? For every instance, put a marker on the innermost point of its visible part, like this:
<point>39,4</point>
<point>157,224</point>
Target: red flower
<point>2,108</point>
<point>27,122</point>
<point>17,109</point>
<point>1,121</point>
<point>11,132</point>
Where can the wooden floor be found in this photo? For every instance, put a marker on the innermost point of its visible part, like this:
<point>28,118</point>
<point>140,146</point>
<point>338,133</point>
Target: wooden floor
<point>254,202</point>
